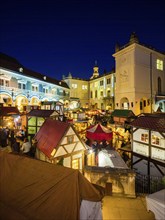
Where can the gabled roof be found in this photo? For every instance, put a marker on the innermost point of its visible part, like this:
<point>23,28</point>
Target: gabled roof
<point>50,134</point>
<point>8,111</point>
<point>41,113</point>
<point>122,113</point>
<point>156,123</point>
<point>11,63</point>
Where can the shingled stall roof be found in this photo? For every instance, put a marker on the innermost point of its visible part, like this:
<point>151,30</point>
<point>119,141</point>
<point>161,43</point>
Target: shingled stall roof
<point>152,122</point>
<point>122,113</point>
<point>40,113</point>
<point>9,111</point>
<point>11,63</point>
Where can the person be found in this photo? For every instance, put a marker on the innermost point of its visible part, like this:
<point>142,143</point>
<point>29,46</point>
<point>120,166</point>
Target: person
<point>26,146</point>
<point>16,146</point>
<point>33,148</point>
<point>3,137</point>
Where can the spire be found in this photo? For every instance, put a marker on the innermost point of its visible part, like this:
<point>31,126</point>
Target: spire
<point>133,38</point>
<point>95,71</point>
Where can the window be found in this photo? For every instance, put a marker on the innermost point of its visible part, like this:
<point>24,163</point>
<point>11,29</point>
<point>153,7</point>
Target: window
<point>1,82</point>
<point>84,87</point>
<point>35,88</point>
<point>108,93</point>
<point>75,163</point>
<point>45,90</point>
<point>144,138</point>
<point>7,83</point>
<point>101,93</point>
<point>159,64</point>
<point>70,139</point>
<point>101,83</point>
<point>155,140</point>
<point>91,94</point>
<point>74,86</point>
<point>109,81</point>
<point>4,82</point>
<point>159,85</point>
<point>96,94</point>
<point>19,85</point>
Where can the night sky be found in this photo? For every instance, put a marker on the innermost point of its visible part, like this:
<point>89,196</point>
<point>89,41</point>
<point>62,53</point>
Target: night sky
<point>61,36</point>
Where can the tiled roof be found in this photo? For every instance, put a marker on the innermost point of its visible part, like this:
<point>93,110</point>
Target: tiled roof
<point>122,113</point>
<point>11,63</point>
<point>156,123</point>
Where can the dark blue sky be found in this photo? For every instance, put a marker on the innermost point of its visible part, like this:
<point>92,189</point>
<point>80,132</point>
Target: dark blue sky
<point>62,36</point>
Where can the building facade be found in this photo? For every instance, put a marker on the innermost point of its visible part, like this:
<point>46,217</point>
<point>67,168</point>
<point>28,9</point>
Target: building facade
<point>24,88</point>
<point>140,77</point>
<point>136,84</point>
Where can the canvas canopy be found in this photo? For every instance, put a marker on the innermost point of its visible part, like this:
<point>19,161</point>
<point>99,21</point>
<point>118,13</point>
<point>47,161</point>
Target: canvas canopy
<point>156,204</point>
<point>99,132</point>
<point>33,189</point>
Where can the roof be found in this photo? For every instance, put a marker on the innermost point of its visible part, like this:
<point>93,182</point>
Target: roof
<point>11,63</point>
<point>50,134</point>
<point>123,113</point>
<point>99,132</point>
<point>156,123</point>
<point>115,158</point>
<point>41,190</point>
<point>41,113</point>
<point>8,111</point>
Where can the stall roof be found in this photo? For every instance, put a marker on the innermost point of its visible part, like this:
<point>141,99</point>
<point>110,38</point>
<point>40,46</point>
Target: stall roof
<point>50,134</point>
<point>9,111</point>
<point>156,123</point>
<point>123,113</point>
<point>41,113</point>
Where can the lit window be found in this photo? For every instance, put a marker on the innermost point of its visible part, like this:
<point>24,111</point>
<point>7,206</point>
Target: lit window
<point>159,64</point>
<point>84,87</point>
<point>144,138</point>
<point>75,163</point>
<point>155,140</point>
<point>74,86</point>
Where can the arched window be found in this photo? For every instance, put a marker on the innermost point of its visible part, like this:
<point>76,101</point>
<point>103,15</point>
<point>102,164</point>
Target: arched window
<point>159,85</point>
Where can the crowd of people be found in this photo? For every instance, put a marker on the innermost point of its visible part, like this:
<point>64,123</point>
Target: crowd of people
<point>17,141</point>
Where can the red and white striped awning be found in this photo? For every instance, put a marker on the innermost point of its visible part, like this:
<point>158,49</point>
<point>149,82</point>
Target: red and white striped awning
<point>99,133</point>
